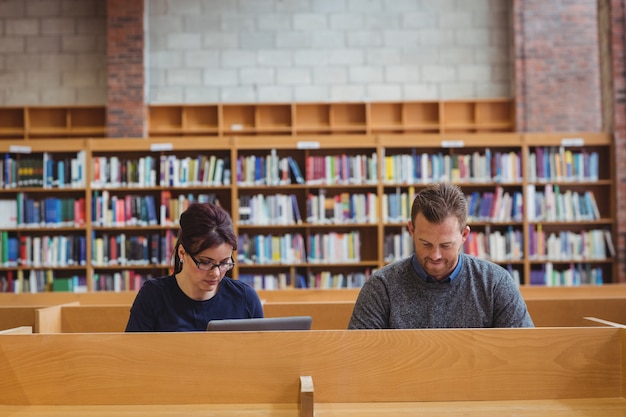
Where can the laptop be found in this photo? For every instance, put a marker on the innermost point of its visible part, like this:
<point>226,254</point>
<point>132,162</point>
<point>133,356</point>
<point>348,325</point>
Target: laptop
<point>261,324</point>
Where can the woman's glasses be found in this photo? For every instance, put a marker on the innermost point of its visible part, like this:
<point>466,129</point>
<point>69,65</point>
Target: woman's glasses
<point>208,266</point>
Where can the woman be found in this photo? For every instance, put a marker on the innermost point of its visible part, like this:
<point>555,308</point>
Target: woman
<point>198,291</point>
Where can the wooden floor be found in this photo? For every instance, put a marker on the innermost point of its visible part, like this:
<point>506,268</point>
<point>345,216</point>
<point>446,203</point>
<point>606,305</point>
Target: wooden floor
<point>607,407</point>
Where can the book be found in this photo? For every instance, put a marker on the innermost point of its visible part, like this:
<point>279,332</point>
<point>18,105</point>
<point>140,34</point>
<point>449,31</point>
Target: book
<point>218,175</point>
<point>295,170</point>
<point>296,209</point>
<point>609,242</point>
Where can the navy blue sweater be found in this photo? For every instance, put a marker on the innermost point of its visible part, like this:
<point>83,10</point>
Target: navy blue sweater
<point>162,306</point>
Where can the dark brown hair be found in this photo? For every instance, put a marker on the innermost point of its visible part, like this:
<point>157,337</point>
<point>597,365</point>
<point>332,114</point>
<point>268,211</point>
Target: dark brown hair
<point>438,201</point>
<point>203,226</point>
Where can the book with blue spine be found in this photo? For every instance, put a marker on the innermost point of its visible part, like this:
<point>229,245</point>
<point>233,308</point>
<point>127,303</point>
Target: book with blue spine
<point>295,170</point>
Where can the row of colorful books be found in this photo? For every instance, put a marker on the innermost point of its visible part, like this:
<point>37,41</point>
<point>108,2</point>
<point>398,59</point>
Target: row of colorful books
<point>321,279</point>
<point>398,245</point>
<point>269,169</point>
<point>166,170</point>
<point>283,209</point>
<point>551,163</point>
<point>263,210</point>
<point>574,274</point>
<point>335,247</point>
<point>271,249</point>
<point>42,251</point>
<point>272,169</point>
<point>47,170</point>
<point>133,209</point>
<point>497,245</point>
<point>495,206</point>
<point>396,206</point>
<point>544,164</point>
<point>342,208</point>
<point>132,250</point>
<point>328,279</point>
<point>341,169</point>
<point>156,248</point>
<point>110,209</point>
<point>39,280</point>
<point>475,167</point>
<point>569,246</point>
<point>290,248</point>
<point>125,210</point>
<point>553,205</point>
<point>46,211</point>
<point>125,280</point>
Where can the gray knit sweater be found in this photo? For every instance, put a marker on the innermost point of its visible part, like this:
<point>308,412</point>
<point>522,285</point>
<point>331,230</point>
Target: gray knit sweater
<point>482,295</point>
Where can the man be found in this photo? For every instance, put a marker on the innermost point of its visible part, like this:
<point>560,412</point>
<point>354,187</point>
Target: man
<point>439,286</point>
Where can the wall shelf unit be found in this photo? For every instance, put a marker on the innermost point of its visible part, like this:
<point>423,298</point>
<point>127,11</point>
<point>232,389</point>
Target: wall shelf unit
<point>52,122</point>
<point>356,118</point>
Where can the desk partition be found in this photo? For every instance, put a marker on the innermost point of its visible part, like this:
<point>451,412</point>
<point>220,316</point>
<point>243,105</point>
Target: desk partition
<point>377,370</point>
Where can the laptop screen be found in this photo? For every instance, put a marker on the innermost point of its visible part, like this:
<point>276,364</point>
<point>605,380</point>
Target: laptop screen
<point>261,324</point>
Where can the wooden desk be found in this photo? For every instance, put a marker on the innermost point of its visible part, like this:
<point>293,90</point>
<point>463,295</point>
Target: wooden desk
<point>16,316</point>
<point>297,295</point>
<point>523,372</point>
<point>74,318</point>
<point>113,318</point>
<point>332,315</point>
<point>570,312</point>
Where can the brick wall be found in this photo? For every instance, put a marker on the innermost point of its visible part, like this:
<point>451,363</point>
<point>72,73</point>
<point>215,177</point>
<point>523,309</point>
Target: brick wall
<point>52,52</point>
<point>558,85</point>
<point>557,70</point>
<point>319,50</point>
<point>617,22</point>
<point>126,111</point>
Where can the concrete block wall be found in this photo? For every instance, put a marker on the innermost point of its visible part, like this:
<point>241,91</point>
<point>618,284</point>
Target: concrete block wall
<point>327,50</point>
<point>52,52</point>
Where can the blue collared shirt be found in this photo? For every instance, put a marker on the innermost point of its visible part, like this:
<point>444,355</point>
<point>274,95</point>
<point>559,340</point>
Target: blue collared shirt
<point>422,274</point>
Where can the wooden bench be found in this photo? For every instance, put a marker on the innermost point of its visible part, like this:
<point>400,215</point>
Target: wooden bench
<point>471,372</point>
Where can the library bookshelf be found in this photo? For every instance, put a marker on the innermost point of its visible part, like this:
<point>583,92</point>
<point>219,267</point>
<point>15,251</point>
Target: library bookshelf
<point>319,193</point>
